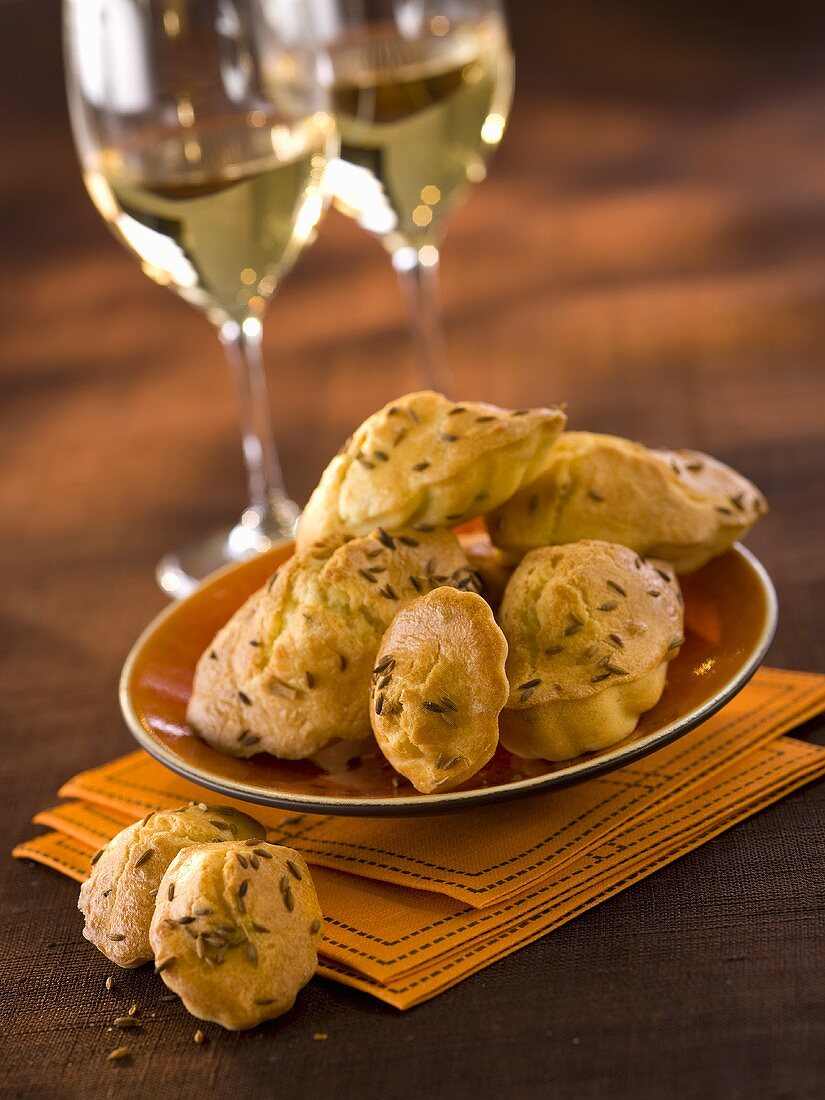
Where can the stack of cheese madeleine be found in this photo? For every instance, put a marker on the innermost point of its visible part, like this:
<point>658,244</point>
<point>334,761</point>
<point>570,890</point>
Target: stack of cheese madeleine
<point>553,633</point>
<point>231,921</point>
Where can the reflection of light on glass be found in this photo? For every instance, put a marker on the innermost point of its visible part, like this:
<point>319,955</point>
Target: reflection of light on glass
<point>309,215</point>
<point>404,259</point>
<point>475,171</point>
<point>361,196</point>
<point>256,303</point>
<point>245,542</point>
<point>169,582</point>
<point>171,23</point>
<point>267,284</point>
<point>493,128</point>
<point>246,64</point>
<point>163,260</point>
<point>192,151</point>
<point>186,112</point>
<point>112,30</point>
<point>409,17</point>
<point>282,143</point>
<point>101,196</point>
<point>324,122</point>
<point>247,538</point>
<point>228,22</point>
<point>430,194</point>
<point>248,276</point>
<point>252,328</point>
<point>287,143</point>
<point>439,24</point>
<point>422,215</point>
<point>706,667</point>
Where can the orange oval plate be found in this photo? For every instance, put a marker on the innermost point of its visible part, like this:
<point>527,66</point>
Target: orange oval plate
<point>730,618</point>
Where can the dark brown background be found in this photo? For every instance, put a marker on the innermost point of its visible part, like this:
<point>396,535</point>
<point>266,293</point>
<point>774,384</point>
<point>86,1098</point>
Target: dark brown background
<point>650,247</point>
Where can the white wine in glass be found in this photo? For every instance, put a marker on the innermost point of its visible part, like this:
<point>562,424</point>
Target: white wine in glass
<point>421,92</point>
<point>203,138</point>
<point>222,231</point>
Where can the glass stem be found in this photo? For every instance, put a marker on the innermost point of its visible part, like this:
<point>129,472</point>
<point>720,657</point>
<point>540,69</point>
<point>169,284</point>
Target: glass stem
<point>267,494</point>
<point>419,285</point>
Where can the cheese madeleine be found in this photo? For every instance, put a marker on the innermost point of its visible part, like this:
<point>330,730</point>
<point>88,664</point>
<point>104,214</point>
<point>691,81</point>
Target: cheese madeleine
<point>681,506</point>
<point>426,462</point>
<point>236,930</point>
<point>590,627</point>
<point>438,687</point>
<point>290,671</point>
<point>118,898</point>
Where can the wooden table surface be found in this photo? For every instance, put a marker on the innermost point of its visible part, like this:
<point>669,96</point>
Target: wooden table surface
<point>650,248</point>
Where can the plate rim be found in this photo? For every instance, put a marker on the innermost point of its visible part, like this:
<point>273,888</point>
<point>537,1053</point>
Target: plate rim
<point>406,805</point>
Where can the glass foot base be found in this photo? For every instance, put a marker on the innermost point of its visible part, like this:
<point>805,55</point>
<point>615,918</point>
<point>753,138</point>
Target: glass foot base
<point>179,573</point>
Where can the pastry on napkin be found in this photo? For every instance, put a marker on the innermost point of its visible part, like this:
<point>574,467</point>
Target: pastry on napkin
<point>118,898</point>
<point>235,931</point>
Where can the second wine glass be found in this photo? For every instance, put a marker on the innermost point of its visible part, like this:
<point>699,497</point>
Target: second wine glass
<point>203,137</point>
<point>421,91</point>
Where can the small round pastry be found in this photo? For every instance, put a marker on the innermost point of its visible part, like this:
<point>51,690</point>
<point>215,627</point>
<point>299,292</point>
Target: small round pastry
<point>590,627</point>
<point>236,930</point>
<point>681,506</point>
<point>426,462</point>
<point>438,687</point>
<point>290,672</point>
<point>118,898</point>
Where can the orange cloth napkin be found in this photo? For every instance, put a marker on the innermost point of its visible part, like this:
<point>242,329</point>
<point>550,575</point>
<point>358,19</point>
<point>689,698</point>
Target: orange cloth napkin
<point>415,905</point>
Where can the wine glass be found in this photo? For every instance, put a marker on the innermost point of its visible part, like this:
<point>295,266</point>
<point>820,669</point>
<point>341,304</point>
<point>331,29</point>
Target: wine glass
<point>203,135</point>
<point>421,91</point>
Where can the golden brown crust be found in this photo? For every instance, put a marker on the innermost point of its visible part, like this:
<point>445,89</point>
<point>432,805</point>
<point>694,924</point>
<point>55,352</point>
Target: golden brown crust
<point>425,460</point>
<point>590,627</point>
<point>235,931</point>
<point>290,671</point>
<point>680,506</point>
<point>118,898</point>
<point>438,688</point>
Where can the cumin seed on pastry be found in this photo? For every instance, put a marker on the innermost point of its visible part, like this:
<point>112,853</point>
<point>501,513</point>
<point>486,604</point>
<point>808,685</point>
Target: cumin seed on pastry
<point>118,897</point>
<point>681,506</point>
<point>591,627</point>
<point>290,672</point>
<point>426,462</point>
<point>438,687</point>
